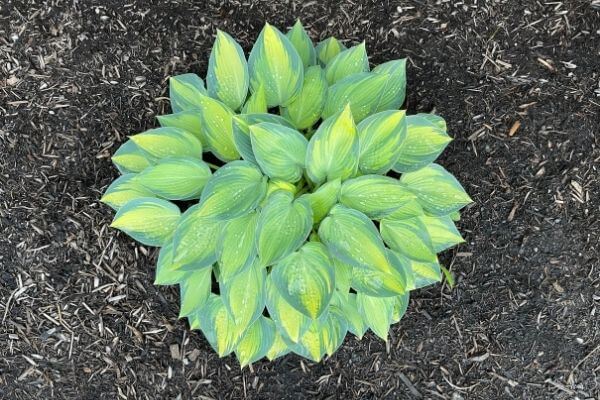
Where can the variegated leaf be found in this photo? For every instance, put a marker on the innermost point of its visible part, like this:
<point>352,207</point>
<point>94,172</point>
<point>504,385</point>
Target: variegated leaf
<point>349,307</point>
<point>189,121</point>
<point>442,231</point>
<point>218,326</point>
<point>305,109</point>
<point>256,342</point>
<point>227,78</point>
<point>400,307</point>
<point>124,189</point>
<point>394,93</point>
<point>129,158</point>
<point>257,103</point>
<point>302,43</point>
<point>279,151</point>
<point>380,137</point>
<point>244,295</point>
<point>168,142</point>
<point>375,195</point>
<point>194,241</point>
<point>234,190</point>
<point>241,131</point>
<point>279,347</point>
<point>377,312</point>
<point>377,283</point>
<point>306,279</point>
<point>217,128</point>
<point>275,64</point>
<point>176,178</point>
<point>409,237</point>
<point>148,220</point>
<point>167,272</point>
<point>351,61</point>
<point>352,237</point>
<point>322,199</point>
<point>235,247</point>
<point>283,225</point>
<point>437,190</point>
<point>184,91</point>
<point>290,322</point>
<point>194,291</point>
<point>362,91</point>
<point>333,150</point>
<point>323,336</point>
<point>424,142</point>
<point>328,49</point>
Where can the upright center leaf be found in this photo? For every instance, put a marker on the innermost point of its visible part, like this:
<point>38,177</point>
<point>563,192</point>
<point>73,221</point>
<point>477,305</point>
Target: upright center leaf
<point>333,150</point>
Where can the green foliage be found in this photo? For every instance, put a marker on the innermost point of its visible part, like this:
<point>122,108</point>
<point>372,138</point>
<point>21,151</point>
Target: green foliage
<point>308,224</point>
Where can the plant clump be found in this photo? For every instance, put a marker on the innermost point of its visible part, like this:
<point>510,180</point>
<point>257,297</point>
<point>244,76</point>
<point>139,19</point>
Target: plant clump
<point>317,208</point>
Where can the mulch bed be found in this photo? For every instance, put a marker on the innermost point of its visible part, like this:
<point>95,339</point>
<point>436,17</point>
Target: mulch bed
<point>518,83</point>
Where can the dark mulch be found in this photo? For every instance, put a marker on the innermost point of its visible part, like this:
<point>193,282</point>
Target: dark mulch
<point>80,318</point>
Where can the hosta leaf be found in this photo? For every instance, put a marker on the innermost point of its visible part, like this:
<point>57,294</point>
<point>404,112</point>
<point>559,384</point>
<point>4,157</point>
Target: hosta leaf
<point>305,109</point>
<point>257,103</point>
<point>234,190</point>
<point>189,121</point>
<point>425,273</point>
<point>194,291</point>
<point>322,199</point>
<point>333,150</point>
<point>435,120</point>
<point>346,63</point>
<point>278,184</point>
<point>217,128</point>
<point>167,272</point>
<point>176,178</point>
<point>377,312</point>
<point>168,142</point>
<point>283,225</point>
<point>227,78</point>
<point>323,336</point>
<point>302,43</point>
<point>241,131</point>
<point>148,220</point>
<point>124,189</point>
<point>343,277</point>
<point>291,322</point>
<point>194,241</point>
<point>184,91</point>
<point>409,237</point>
<point>380,137</point>
<point>129,158</point>
<point>244,295</point>
<point>349,308</point>
<point>328,49</point>
<point>352,237</point>
<point>218,326</point>
<point>374,195</point>
<point>279,347</point>
<point>275,64</point>
<point>235,248</point>
<point>306,279</point>
<point>377,283</point>
<point>442,231</point>
<point>256,342</point>
<point>425,141</point>
<point>362,91</point>
<point>400,307</point>
<point>279,151</point>
<point>437,190</point>
<point>409,209</point>
<point>394,93</point>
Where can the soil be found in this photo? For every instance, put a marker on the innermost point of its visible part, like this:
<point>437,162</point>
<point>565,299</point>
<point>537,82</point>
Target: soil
<point>80,317</point>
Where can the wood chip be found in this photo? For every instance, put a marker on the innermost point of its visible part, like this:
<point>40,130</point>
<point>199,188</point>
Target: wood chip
<point>514,128</point>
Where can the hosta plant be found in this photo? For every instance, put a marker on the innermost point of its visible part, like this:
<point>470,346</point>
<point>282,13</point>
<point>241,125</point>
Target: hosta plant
<point>291,199</point>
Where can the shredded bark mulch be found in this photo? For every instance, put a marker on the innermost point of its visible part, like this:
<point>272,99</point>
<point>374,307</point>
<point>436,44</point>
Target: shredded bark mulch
<point>518,83</point>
